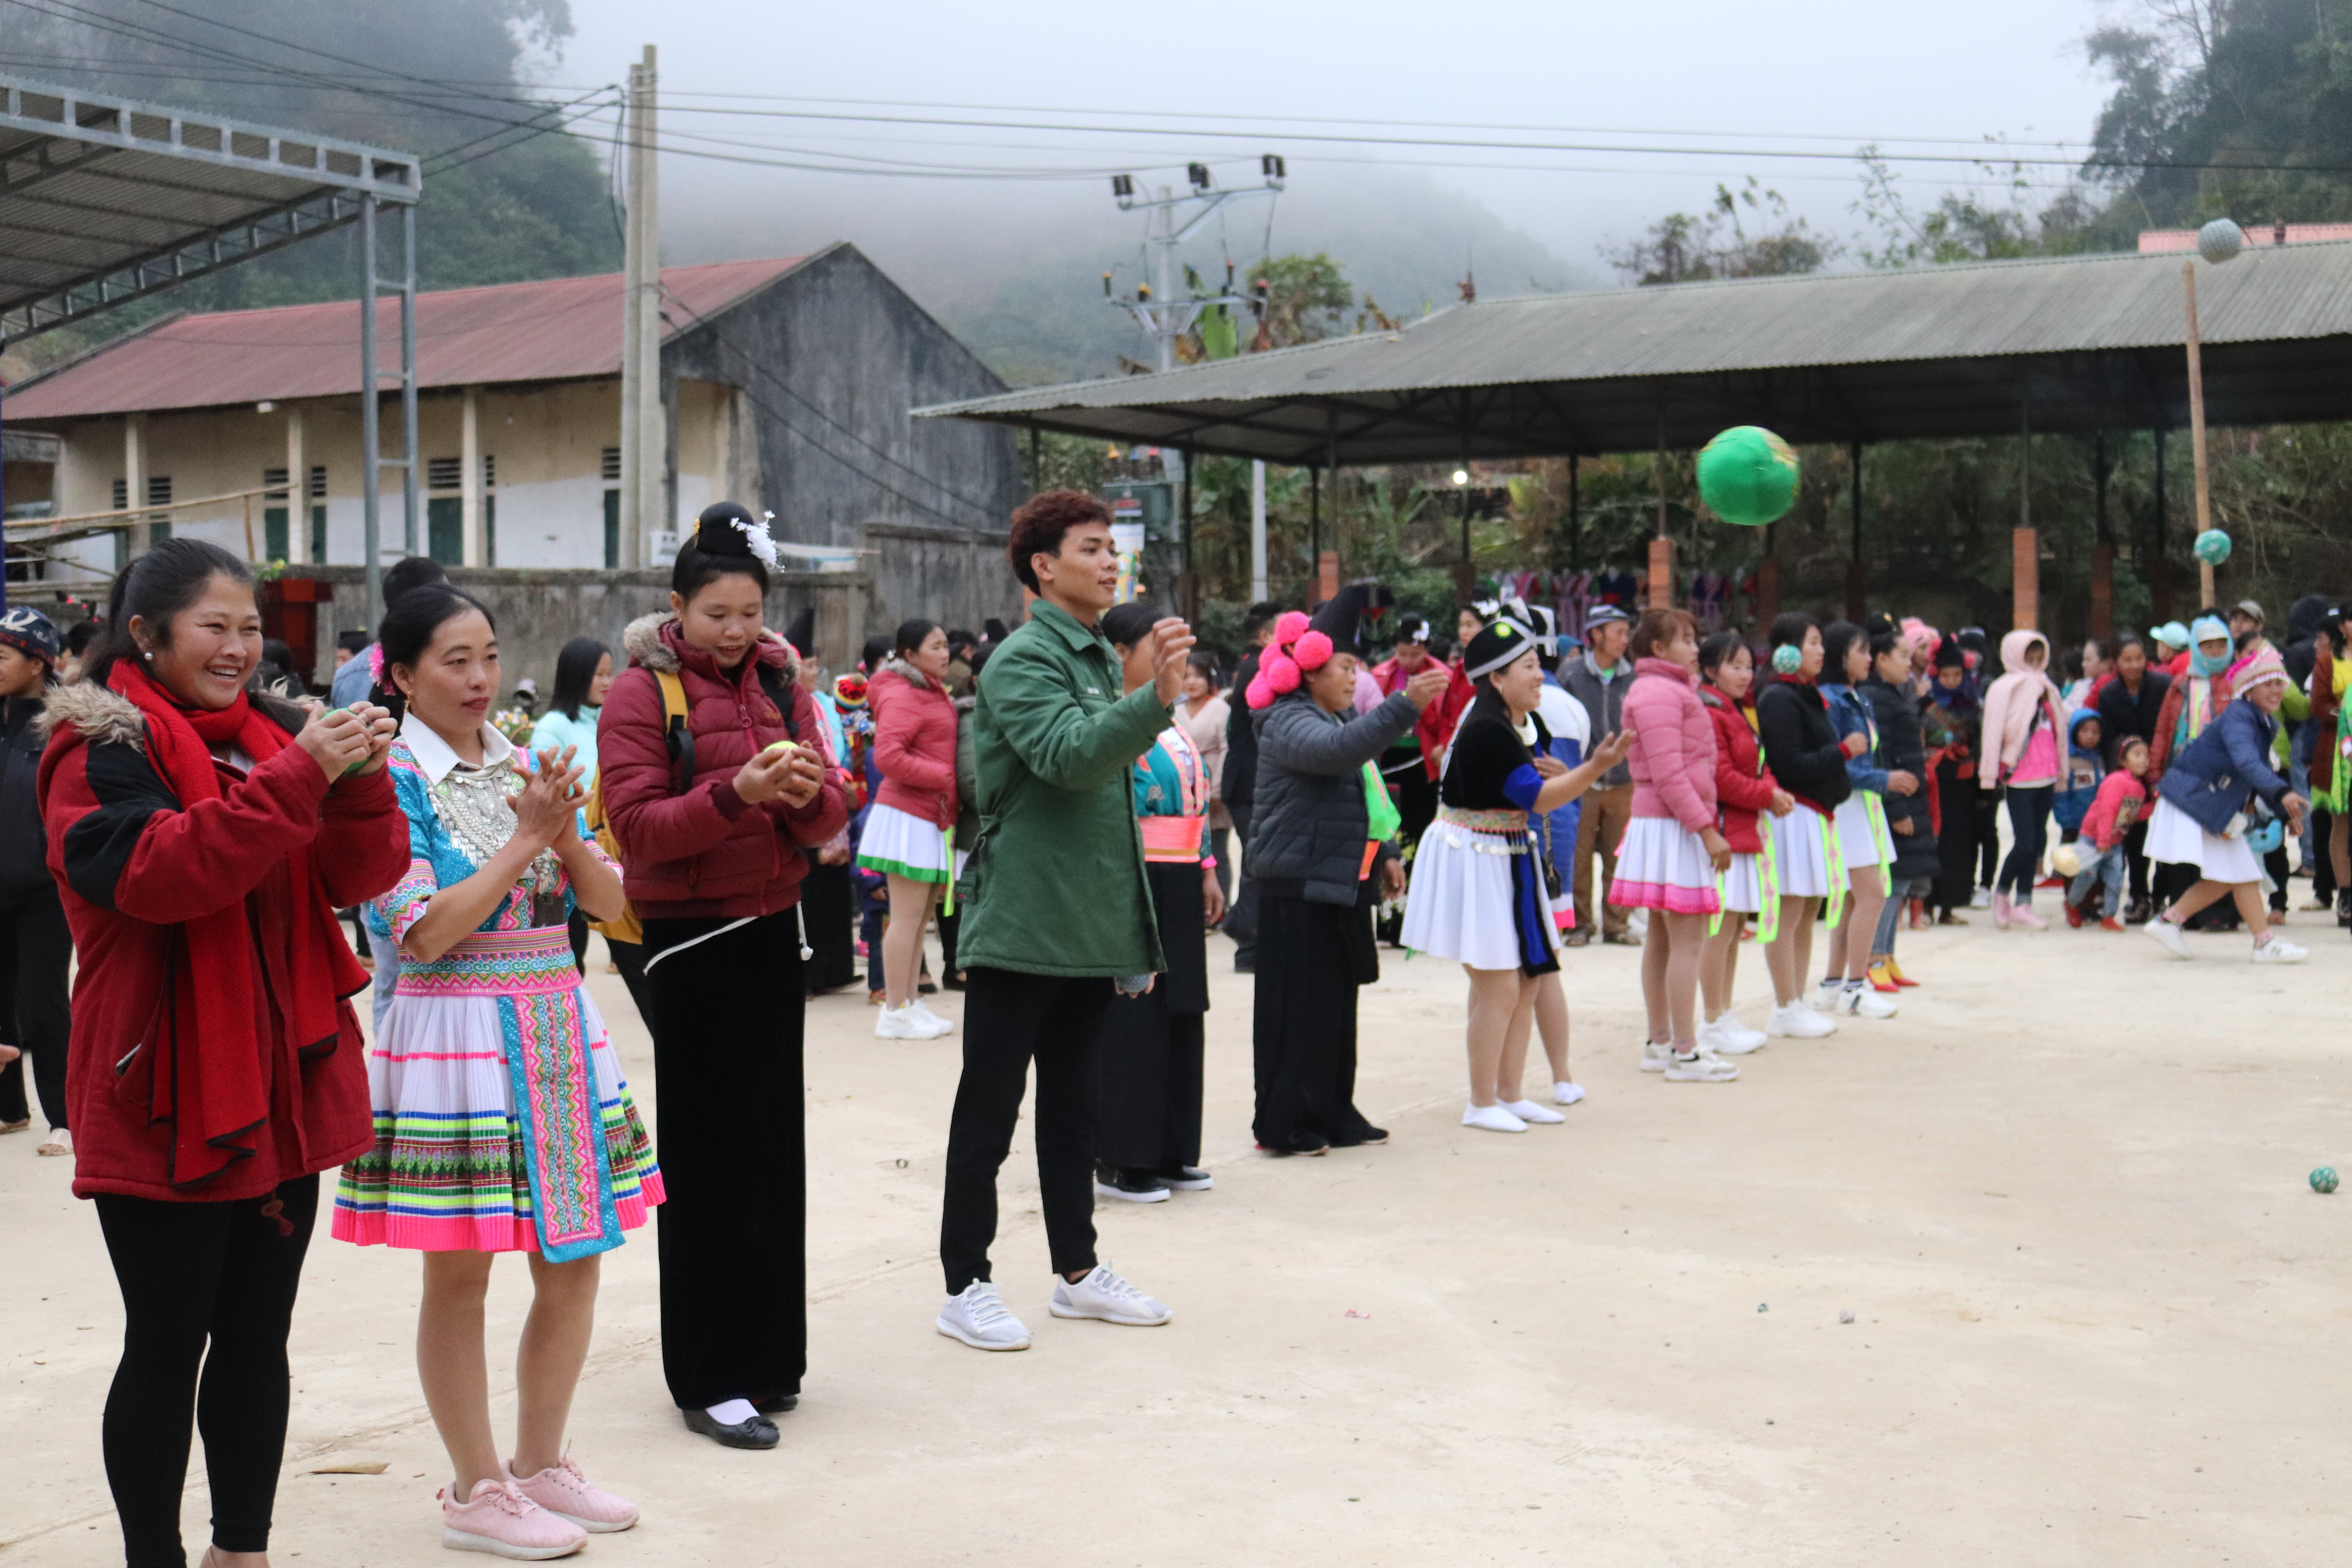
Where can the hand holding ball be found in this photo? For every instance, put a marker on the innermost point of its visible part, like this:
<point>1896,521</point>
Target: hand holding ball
<point>1749,476</point>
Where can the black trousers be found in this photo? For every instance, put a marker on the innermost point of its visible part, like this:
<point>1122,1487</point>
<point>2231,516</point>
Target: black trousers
<point>1241,918</point>
<point>730,1129</point>
<point>1987,836</point>
<point>2135,855</point>
<point>2323,864</point>
<point>1955,837</point>
<point>36,1007</point>
<point>1009,1017</point>
<point>829,911</point>
<point>2029,829</point>
<point>209,1285</point>
<point>1148,1065</point>
<point>1303,1032</point>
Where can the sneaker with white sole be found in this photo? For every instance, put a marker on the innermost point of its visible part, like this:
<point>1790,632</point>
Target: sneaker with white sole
<point>920,1010</point>
<point>1654,1054</point>
<point>1702,1066</point>
<point>2278,950</point>
<point>908,1024</point>
<point>1861,1002</point>
<point>1132,1186</point>
<point>1492,1119</point>
<point>1981,898</point>
<point>562,1490</point>
<point>498,1519</point>
<point>1528,1111</point>
<point>1566,1094</point>
<point>979,1318</point>
<point>1798,1022</point>
<point>2167,935</point>
<point>1829,998</point>
<point>1726,1042</point>
<point>1728,1025</point>
<point>1107,1298</point>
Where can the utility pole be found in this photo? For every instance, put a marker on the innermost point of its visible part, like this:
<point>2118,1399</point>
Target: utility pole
<point>645,428</point>
<point>1257,531</point>
<point>1162,315</point>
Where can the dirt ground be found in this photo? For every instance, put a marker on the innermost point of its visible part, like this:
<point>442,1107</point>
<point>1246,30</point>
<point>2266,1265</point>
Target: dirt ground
<point>2098,1316</point>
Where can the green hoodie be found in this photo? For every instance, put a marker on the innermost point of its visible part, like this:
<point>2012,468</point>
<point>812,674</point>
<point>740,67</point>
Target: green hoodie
<point>1055,882</point>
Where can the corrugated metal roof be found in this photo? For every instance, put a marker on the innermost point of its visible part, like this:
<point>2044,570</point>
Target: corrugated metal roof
<point>2080,341</point>
<point>561,329</point>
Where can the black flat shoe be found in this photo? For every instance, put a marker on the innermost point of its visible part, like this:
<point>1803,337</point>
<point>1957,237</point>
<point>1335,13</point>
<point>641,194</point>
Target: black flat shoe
<point>1367,1138</point>
<point>757,1432</point>
<point>777,1406</point>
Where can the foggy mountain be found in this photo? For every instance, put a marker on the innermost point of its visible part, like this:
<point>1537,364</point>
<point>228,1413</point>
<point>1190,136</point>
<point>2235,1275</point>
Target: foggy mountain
<point>1015,269</point>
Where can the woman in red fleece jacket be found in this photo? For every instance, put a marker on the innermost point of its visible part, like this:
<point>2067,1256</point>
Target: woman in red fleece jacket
<point>203,838</point>
<point>714,843</point>
<point>906,835</point>
<point>1743,789</point>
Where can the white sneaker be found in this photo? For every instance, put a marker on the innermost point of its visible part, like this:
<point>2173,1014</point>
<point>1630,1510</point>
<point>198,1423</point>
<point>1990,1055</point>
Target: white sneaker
<point>1654,1055</point>
<point>1702,1066</point>
<point>1491,1118</point>
<point>1830,997</point>
<point>1798,1022</point>
<point>1981,898</point>
<point>1726,1042</point>
<point>2167,935</point>
<point>1106,1298</point>
<point>1729,1027</point>
<point>1528,1111</point>
<point>1567,1093</point>
<point>2278,950</point>
<point>1861,1002</point>
<point>980,1318</point>
<point>907,1023</point>
<point>918,1008</point>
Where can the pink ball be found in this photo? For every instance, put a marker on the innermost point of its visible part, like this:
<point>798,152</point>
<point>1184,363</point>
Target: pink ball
<point>1313,650</point>
<point>1290,627</point>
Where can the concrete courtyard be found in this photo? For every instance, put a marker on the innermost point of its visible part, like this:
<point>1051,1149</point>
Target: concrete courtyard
<point>2097,1315</point>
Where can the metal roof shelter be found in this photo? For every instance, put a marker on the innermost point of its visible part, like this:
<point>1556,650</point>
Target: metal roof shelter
<point>104,200</point>
<point>2075,343</point>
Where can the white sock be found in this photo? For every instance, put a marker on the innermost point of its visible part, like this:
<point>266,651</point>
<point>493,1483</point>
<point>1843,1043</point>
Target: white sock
<point>732,1413</point>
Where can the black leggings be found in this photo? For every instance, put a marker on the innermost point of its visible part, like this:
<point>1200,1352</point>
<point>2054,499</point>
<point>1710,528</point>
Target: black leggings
<point>191,1273</point>
<point>36,1011</point>
<point>2029,830</point>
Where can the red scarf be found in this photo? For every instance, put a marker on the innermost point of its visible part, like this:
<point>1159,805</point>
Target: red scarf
<point>212,1073</point>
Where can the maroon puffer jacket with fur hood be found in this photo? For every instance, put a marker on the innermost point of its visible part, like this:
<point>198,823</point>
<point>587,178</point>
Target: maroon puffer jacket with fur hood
<point>703,851</point>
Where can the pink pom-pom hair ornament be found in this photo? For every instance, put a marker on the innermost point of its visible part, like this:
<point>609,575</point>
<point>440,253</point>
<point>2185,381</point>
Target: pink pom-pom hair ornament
<point>1312,651</point>
<point>1291,626</point>
<point>1277,674</point>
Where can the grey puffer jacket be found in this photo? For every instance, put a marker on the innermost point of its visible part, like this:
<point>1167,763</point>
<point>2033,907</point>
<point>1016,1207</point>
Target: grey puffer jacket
<point>1308,826</point>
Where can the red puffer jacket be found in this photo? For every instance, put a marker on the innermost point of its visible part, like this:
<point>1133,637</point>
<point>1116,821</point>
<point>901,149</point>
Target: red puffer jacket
<point>704,851</point>
<point>1743,785</point>
<point>132,865</point>
<point>914,742</point>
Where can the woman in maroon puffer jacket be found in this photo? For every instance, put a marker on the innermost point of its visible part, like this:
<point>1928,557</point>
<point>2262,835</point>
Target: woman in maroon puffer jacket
<point>1744,788</point>
<point>712,853</point>
<point>906,835</point>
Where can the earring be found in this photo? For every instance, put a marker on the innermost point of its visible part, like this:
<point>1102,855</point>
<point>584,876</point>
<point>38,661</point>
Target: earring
<point>150,656</point>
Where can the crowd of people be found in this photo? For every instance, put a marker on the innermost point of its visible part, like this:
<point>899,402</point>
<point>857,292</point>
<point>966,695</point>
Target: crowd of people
<point>180,812</point>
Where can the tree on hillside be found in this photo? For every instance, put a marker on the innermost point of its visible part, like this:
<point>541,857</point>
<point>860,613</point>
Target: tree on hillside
<point>1687,247</point>
<point>1963,226</point>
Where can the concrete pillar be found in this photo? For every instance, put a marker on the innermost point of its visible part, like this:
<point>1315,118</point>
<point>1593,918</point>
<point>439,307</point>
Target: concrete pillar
<point>134,477</point>
<point>1662,573</point>
<point>469,482</point>
<point>2025,586</point>
<point>297,488</point>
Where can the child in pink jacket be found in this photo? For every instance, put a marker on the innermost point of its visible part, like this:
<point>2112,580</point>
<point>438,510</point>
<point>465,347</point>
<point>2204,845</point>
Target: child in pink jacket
<point>2121,800</point>
<point>1673,850</point>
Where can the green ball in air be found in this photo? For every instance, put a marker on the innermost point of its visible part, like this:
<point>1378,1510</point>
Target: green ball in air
<point>2212,547</point>
<point>1747,475</point>
<point>2322,1179</point>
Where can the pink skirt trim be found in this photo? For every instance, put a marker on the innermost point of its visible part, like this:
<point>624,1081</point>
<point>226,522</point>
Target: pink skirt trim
<point>486,1233</point>
<point>1666,896</point>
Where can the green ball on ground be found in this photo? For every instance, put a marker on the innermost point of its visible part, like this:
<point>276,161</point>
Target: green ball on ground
<point>2322,1179</point>
<point>1749,476</point>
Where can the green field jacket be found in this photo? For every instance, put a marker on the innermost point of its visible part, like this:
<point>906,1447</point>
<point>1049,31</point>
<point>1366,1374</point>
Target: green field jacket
<point>1055,885</point>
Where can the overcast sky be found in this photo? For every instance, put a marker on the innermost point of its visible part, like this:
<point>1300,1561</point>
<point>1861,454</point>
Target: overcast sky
<point>1759,77</point>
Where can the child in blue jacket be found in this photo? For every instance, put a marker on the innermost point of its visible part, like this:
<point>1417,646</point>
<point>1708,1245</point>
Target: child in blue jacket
<point>2080,775</point>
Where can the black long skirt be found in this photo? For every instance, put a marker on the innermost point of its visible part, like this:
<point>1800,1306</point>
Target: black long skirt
<point>1311,959</point>
<point>1956,837</point>
<point>828,913</point>
<point>1148,1065</point>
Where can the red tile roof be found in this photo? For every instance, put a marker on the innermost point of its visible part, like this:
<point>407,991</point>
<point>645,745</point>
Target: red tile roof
<point>556,330</point>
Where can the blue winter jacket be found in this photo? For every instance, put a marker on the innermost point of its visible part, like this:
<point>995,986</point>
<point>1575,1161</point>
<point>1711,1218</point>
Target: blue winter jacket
<point>2079,778</point>
<point>2228,764</point>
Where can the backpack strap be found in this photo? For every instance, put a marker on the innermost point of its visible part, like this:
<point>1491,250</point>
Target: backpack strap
<point>677,738</point>
<point>781,693</point>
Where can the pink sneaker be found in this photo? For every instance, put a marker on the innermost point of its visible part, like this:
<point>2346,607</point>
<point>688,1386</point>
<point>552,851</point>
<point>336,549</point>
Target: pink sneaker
<point>2002,911</point>
<point>2022,914</point>
<point>567,1494</point>
<point>501,1521</point>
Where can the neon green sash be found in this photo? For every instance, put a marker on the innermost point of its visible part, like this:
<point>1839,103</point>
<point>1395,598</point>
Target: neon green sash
<point>1381,816</point>
<point>1883,837</point>
<point>1836,857</point>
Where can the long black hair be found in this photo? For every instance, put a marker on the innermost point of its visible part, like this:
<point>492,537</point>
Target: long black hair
<point>166,580</point>
<point>1836,638</point>
<point>1789,626</point>
<point>576,672</point>
<point>1128,623</point>
<point>908,637</point>
<point>408,627</point>
<point>717,549</point>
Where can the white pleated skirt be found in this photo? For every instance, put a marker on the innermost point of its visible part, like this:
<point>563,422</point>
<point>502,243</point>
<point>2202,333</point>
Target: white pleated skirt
<point>898,844</point>
<point>1459,904</point>
<point>2177,838</point>
<point>1663,865</point>
<point>1743,885</point>
<point>1800,853</point>
<point>1856,840</point>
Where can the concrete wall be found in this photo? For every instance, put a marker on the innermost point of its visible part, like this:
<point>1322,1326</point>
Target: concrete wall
<point>953,577</point>
<point>538,611</point>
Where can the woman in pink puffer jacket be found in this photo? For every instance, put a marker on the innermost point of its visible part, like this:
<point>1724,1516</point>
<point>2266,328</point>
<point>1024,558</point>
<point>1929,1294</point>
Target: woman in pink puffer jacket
<point>1674,847</point>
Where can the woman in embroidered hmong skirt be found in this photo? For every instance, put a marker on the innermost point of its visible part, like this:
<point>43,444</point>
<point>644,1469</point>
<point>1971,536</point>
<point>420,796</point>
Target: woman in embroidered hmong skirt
<point>502,1121</point>
<point>1478,894</point>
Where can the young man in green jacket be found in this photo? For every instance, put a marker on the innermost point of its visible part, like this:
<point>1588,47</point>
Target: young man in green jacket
<point>1056,913</point>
